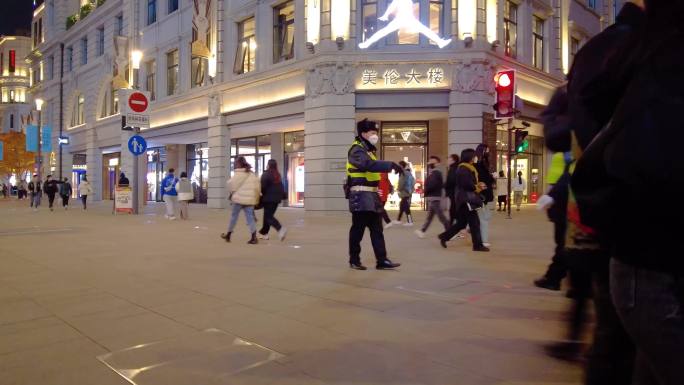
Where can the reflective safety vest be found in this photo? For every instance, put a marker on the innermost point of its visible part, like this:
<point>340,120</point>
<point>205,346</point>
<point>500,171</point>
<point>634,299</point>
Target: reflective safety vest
<point>559,161</point>
<point>356,174</point>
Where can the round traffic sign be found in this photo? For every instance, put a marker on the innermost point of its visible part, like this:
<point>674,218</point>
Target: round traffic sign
<point>138,102</point>
<point>137,145</point>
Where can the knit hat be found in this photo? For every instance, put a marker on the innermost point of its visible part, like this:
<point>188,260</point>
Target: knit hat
<point>365,126</point>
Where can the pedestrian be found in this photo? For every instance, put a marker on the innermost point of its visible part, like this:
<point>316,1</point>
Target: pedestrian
<point>646,270</point>
<point>450,185</point>
<point>23,189</point>
<point>385,189</point>
<point>361,186</point>
<point>518,190</point>
<point>35,187</point>
<point>596,84</point>
<point>468,200</point>
<point>485,176</point>
<point>185,194</point>
<point>434,195</point>
<point>502,191</point>
<point>272,193</point>
<point>244,190</point>
<point>123,181</point>
<point>169,194</point>
<point>51,189</point>
<point>406,186</point>
<point>65,192</point>
<point>85,189</point>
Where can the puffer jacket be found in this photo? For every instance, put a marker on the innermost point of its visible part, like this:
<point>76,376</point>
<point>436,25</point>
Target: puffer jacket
<point>245,187</point>
<point>184,189</point>
<point>84,188</point>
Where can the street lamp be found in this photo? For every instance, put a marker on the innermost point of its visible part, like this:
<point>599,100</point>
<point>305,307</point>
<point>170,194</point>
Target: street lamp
<point>136,58</point>
<point>39,160</point>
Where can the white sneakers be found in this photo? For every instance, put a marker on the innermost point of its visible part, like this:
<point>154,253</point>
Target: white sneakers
<point>261,236</point>
<point>420,233</point>
<point>408,224</point>
<point>282,233</point>
<point>487,244</point>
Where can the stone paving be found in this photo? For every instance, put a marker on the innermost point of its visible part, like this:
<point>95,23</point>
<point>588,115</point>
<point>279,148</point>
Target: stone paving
<point>79,289</point>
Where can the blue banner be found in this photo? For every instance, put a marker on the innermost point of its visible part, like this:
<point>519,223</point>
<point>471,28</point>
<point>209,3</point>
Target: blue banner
<point>47,138</point>
<point>31,138</point>
<point>2,151</point>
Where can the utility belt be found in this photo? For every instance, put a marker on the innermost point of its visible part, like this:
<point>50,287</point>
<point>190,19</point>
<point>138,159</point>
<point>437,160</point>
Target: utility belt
<point>364,188</point>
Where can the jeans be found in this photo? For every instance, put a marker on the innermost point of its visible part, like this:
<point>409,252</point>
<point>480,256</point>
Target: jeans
<point>35,199</point>
<point>651,307</point>
<point>485,214</point>
<point>249,214</point>
<point>171,202</point>
<point>269,218</point>
<point>405,207</point>
<point>361,220</point>
<point>183,208</point>
<point>65,200</point>
<point>465,217</point>
<point>84,200</point>
<point>435,208</point>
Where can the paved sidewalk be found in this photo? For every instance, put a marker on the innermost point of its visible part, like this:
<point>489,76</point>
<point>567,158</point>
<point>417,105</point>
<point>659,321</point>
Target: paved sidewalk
<point>75,286</point>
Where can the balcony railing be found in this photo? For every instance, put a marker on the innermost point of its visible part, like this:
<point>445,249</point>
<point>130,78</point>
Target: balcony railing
<point>85,10</point>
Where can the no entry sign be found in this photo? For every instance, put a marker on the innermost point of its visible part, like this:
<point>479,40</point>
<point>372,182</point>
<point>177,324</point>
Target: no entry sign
<point>138,102</point>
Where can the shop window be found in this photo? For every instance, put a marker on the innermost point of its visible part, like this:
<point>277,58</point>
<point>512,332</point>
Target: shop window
<point>294,167</point>
<point>256,150</point>
<point>511,29</point>
<point>538,43</point>
<point>407,141</point>
<point>110,102</point>
<point>198,67</point>
<point>198,170</point>
<point>172,72</point>
<point>245,55</point>
<point>78,114</point>
<point>530,162</point>
<point>283,32</point>
<point>591,4</point>
<point>151,11</point>
<point>12,98</point>
<point>407,35</point>
<point>150,80</point>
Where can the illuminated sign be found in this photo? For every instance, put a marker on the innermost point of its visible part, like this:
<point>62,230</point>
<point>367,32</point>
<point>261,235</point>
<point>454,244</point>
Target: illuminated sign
<point>402,77</point>
<point>403,19</point>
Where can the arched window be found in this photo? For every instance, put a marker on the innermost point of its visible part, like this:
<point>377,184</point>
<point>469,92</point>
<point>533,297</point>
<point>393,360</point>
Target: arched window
<point>110,102</point>
<point>78,114</point>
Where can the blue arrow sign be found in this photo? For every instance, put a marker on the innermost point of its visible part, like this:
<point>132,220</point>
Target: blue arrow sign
<point>137,145</point>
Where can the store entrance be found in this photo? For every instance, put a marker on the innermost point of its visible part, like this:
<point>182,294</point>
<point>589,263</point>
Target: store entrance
<point>156,164</point>
<point>407,141</point>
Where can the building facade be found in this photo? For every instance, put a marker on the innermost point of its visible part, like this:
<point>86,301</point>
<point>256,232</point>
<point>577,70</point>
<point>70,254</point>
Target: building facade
<point>14,82</point>
<point>288,80</point>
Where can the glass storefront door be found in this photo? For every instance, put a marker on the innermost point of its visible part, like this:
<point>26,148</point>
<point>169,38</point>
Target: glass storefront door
<point>530,163</point>
<point>407,141</point>
<point>198,170</point>
<point>156,164</point>
<point>294,168</point>
<point>110,174</point>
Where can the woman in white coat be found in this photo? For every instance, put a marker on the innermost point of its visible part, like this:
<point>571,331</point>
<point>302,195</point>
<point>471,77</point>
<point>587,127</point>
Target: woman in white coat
<point>244,189</point>
<point>85,189</point>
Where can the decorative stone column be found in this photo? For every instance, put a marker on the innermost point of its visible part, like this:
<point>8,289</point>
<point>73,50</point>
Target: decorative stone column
<point>94,164</point>
<point>471,95</point>
<point>329,123</point>
<point>218,140</point>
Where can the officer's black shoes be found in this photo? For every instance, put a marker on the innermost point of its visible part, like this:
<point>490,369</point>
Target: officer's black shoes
<point>226,236</point>
<point>386,264</point>
<point>357,266</point>
<point>546,283</point>
<point>481,248</point>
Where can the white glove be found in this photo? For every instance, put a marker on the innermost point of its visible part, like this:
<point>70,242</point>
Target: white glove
<point>544,202</point>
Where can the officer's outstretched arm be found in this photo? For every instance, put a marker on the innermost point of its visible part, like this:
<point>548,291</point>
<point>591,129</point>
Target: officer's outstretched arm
<point>360,159</point>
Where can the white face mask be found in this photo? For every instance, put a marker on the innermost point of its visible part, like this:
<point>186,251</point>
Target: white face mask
<point>373,139</point>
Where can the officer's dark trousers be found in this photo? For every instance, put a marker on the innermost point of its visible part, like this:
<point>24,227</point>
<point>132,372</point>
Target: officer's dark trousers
<point>361,220</point>
<point>558,268</point>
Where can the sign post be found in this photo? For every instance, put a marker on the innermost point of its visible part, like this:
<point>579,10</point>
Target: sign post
<point>134,115</point>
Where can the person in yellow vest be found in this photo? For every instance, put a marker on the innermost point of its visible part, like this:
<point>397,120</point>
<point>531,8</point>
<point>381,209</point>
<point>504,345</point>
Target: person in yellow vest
<point>361,188</point>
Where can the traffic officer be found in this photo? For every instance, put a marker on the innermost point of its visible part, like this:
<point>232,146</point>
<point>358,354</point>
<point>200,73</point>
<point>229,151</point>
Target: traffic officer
<point>363,178</point>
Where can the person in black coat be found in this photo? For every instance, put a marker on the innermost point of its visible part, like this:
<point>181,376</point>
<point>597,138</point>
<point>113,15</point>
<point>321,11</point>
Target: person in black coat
<point>485,176</point>
<point>434,186</point>
<point>51,187</point>
<point>596,83</point>
<point>467,200</point>
<point>272,193</point>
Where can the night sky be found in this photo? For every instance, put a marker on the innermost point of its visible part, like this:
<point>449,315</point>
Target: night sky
<point>15,14</point>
